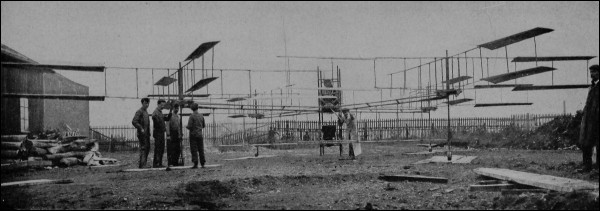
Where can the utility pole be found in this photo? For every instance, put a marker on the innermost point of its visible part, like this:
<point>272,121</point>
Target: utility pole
<point>448,153</point>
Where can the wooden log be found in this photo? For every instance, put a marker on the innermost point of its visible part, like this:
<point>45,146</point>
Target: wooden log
<point>537,180</point>
<point>69,161</point>
<point>27,164</point>
<point>59,156</point>
<point>36,182</point>
<point>413,178</point>
<point>9,154</point>
<point>10,145</point>
<point>58,149</point>
<point>490,188</point>
<point>48,141</point>
<point>44,145</point>
<point>39,151</point>
<point>13,138</point>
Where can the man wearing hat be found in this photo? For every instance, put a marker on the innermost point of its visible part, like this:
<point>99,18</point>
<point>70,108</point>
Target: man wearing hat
<point>588,135</point>
<point>159,134</point>
<point>195,125</point>
<point>141,122</point>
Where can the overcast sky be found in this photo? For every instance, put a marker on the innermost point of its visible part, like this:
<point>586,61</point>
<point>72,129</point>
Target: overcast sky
<point>251,35</point>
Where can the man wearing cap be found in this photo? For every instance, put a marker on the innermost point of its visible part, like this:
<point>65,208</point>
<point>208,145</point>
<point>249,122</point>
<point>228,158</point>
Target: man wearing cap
<point>588,135</point>
<point>173,138</point>
<point>159,134</point>
<point>141,122</point>
<point>195,125</point>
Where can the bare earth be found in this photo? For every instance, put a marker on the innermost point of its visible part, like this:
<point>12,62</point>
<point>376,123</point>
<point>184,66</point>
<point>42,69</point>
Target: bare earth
<point>297,179</point>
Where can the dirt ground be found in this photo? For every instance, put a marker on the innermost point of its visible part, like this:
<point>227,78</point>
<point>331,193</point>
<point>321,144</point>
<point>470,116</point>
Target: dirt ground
<point>300,179</point>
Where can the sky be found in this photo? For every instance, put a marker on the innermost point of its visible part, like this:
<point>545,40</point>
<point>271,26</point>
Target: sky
<point>253,34</point>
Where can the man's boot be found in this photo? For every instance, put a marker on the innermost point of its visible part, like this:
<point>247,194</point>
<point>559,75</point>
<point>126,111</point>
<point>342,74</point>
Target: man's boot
<point>195,165</point>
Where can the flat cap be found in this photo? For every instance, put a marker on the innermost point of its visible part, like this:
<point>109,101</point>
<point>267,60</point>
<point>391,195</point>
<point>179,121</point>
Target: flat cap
<point>594,67</point>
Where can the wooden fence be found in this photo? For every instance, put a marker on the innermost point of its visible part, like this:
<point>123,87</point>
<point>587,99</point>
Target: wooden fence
<point>118,138</point>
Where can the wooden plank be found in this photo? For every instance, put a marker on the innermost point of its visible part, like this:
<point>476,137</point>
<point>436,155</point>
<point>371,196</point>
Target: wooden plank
<point>538,180</point>
<point>413,178</point>
<point>164,168</point>
<point>36,182</point>
<point>491,187</point>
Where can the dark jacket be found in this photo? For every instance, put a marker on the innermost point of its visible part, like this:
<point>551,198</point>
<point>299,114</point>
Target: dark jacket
<point>159,121</point>
<point>141,120</point>
<point>588,134</point>
<point>196,124</point>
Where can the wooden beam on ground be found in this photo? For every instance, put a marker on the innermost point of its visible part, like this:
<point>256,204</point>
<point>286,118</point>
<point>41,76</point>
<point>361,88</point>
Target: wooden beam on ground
<point>491,187</point>
<point>521,191</point>
<point>413,178</point>
<point>538,180</point>
<point>36,182</point>
<point>162,169</point>
<point>245,158</point>
<point>456,159</point>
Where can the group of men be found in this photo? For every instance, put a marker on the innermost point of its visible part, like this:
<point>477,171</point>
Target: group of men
<point>141,121</point>
<point>346,118</point>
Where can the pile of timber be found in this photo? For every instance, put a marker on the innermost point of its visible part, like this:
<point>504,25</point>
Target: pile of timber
<point>68,151</point>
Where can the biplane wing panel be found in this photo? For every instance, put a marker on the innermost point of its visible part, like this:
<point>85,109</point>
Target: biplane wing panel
<point>552,58</point>
<point>518,74</point>
<point>203,48</point>
<point>515,38</point>
<point>454,102</point>
<point>532,88</point>
<point>201,83</point>
<point>457,79</point>
<point>500,104</point>
<point>500,86</point>
<point>165,81</point>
